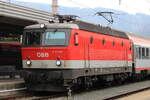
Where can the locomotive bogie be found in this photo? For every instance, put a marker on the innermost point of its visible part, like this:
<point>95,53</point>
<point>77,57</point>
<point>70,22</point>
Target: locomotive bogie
<point>60,80</point>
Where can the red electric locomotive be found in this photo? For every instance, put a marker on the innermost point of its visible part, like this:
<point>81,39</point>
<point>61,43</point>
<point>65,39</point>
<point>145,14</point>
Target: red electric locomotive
<point>61,55</point>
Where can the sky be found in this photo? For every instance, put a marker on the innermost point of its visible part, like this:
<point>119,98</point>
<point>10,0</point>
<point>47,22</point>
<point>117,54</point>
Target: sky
<point>130,6</point>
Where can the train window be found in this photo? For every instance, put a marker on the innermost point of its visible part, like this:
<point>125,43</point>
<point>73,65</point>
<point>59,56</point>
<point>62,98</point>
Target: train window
<point>103,41</point>
<point>55,38</point>
<point>122,43</point>
<point>143,52</point>
<point>32,38</point>
<point>139,52</point>
<point>76,39</point>
<point>9,37</point>
<point>91,39</point>
<point>147,53</point>
<point>113,43</point>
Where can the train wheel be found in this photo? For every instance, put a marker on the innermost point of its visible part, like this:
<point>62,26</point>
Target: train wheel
<point>120,78</point>
<point>88,82</point>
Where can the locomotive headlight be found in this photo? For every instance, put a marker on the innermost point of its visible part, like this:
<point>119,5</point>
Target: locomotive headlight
<point>28,62</point>
<point>42,25</point>
<point>58,63</point>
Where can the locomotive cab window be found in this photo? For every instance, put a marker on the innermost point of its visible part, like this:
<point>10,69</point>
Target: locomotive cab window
<point>32,38</point>
<point>48,37</point>
<point>54,38</point>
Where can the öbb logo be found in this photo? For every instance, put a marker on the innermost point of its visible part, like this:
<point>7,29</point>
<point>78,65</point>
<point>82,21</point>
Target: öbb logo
<point>42,54</point>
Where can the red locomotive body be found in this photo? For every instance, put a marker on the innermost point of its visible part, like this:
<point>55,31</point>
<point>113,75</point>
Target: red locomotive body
<point>91,46</point>
<point>66,55</point>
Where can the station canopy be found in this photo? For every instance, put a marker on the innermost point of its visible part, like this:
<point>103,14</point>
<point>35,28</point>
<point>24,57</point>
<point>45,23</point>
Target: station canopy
<point>13,18</point>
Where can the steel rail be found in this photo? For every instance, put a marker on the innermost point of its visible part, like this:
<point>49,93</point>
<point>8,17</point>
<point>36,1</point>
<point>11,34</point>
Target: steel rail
<point>12,90</point>
<point>126,94</point>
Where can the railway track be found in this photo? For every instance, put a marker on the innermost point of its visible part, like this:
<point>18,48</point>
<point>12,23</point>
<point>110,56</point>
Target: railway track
<point>42,97</point>
<point>12,90</point>
<point>112,93</point>
<point>109,93</point>
<point>127,94</point>
<point>12,94</point>
<point>30,97</point>
<point>23,94</point>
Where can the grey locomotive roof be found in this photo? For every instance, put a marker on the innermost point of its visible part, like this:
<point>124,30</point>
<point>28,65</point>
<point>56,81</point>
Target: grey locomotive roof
<point>84,26</point>
<point>101,29</point>
<point>54,25</point>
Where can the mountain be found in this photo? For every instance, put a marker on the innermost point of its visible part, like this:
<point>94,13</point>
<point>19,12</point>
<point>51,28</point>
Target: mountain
<point>137,23</point>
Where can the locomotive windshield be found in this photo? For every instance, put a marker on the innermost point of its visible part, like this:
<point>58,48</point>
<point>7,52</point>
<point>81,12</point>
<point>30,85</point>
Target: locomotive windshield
<point>49,37</point>
<point>32,38</point>
<point>54,38</point>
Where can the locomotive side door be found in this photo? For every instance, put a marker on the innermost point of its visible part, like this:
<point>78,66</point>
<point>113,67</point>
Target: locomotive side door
<point>89,52</point>
<point>86,54</point>
<point>126,57</point>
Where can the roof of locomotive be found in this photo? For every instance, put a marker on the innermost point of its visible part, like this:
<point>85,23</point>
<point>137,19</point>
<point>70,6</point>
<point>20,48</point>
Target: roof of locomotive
<point>101,29</point>
<point>84,26</point>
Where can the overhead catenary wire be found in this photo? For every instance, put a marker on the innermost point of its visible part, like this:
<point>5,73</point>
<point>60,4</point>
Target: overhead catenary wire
<point>104,16</point>
<point>83,5</point>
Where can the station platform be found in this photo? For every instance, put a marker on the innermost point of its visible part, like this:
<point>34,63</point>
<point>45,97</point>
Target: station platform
<point>11,86</point>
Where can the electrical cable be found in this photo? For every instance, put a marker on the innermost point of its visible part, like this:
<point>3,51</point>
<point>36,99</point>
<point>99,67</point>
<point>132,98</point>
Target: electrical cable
<point>110,19</point>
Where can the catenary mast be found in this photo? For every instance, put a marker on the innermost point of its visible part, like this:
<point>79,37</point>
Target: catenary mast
<point>54,7</point>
